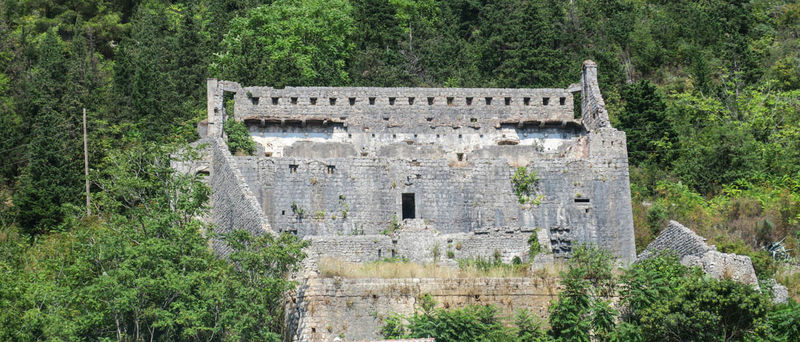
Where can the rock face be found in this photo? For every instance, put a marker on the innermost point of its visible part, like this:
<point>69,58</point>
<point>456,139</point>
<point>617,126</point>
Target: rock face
<point>692,250</point>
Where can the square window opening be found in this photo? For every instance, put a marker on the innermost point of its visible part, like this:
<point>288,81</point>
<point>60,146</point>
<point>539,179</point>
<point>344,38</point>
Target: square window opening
<point>545,101</point>
<point>275,100</point>
<point>562,101</point>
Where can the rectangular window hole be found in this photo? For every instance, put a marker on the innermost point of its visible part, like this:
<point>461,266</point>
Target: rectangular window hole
<point>473,120</point>
<point>364,154</point>
<point>460,156</point>
<point>391,101</point>
<point>293,168</point>
<point>254,100</point>
<point>545,101</point>
<point>283,212</point>
<point>409,208</point>
<point>352,100</point>
<point>449,101</point>
<point>526,101</point>
<point>488,101</point>
<point>507,101</point>
<point>562,101</point>
<point>312,100</point>
<point>429,119</point>
<point>275,100</point>
<point>385,118</point>
<point>430,101</point>
<point>459,136</point>
<point>469,101</point>
<point>349,135</point>
<point>410,100</point>
<point>294,100</point>
<point>332,101</point>
<point>581,200</point>
<point>331,169</point>
<point>372,101</point>
<point>267,154</point>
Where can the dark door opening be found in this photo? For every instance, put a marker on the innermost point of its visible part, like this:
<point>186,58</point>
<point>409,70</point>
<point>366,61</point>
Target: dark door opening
<point>408,206</point>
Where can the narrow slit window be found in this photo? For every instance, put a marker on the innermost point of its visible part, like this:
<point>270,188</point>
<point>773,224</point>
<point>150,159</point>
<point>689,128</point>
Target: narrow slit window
<point>581,200</point>
<point>332,101</point>
<point>545,101</point>
<point>410,101</point>
<point>562,101</point>
<point>430,101</point>
<point>294,100</point>
<point>275,100</point>
<point>391,101</point>
<point>507,101</point>
<point>372,101</point>
<point>352,100</point>
<point>488,101</point>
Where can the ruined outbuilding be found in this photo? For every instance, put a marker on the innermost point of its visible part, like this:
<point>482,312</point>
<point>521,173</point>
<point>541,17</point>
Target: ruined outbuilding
<point>373,173</point>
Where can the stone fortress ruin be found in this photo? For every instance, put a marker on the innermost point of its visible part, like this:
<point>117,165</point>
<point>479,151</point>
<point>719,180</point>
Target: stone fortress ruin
<point>373,173</point>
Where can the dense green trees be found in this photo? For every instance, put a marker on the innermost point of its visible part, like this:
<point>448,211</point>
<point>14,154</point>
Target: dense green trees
<point>291,42</point>
<point>142,269</point>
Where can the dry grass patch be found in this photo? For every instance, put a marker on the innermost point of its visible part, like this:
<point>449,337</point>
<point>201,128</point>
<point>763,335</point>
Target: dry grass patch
<point>332,267</point>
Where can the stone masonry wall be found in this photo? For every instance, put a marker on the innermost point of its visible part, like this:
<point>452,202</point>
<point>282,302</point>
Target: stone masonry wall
<point>233,204</point>
<point>418,246</point>
<point>324,308</point>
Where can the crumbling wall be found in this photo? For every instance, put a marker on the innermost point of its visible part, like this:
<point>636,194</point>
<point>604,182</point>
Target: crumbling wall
<point>677,238</point>
<point>324,308</point>
<point>692,250</point>
<point>593,107</point>
<point>233,204</point>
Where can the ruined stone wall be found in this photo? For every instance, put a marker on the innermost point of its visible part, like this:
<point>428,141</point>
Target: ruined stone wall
<point>233,204</point>
<point>324,308</point>
<point>593,107</point>
<point>677,238</point>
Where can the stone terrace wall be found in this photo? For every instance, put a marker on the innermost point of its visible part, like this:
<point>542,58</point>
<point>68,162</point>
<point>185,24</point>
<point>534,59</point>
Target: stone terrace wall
<point>324,308</point>
<point>233,204</point>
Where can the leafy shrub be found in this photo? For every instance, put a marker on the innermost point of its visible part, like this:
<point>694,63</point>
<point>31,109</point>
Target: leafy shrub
<point>525,183</point>
<point>239,140</point>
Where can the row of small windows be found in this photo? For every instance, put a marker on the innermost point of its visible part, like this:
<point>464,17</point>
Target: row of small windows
<point>392,100</point>
<point>330,169</point>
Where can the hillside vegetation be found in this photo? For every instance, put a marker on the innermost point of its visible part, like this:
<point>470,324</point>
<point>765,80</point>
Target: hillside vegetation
<point>708,93</point>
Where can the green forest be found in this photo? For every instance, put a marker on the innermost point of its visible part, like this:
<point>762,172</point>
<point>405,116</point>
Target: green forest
<point>708,93</point>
